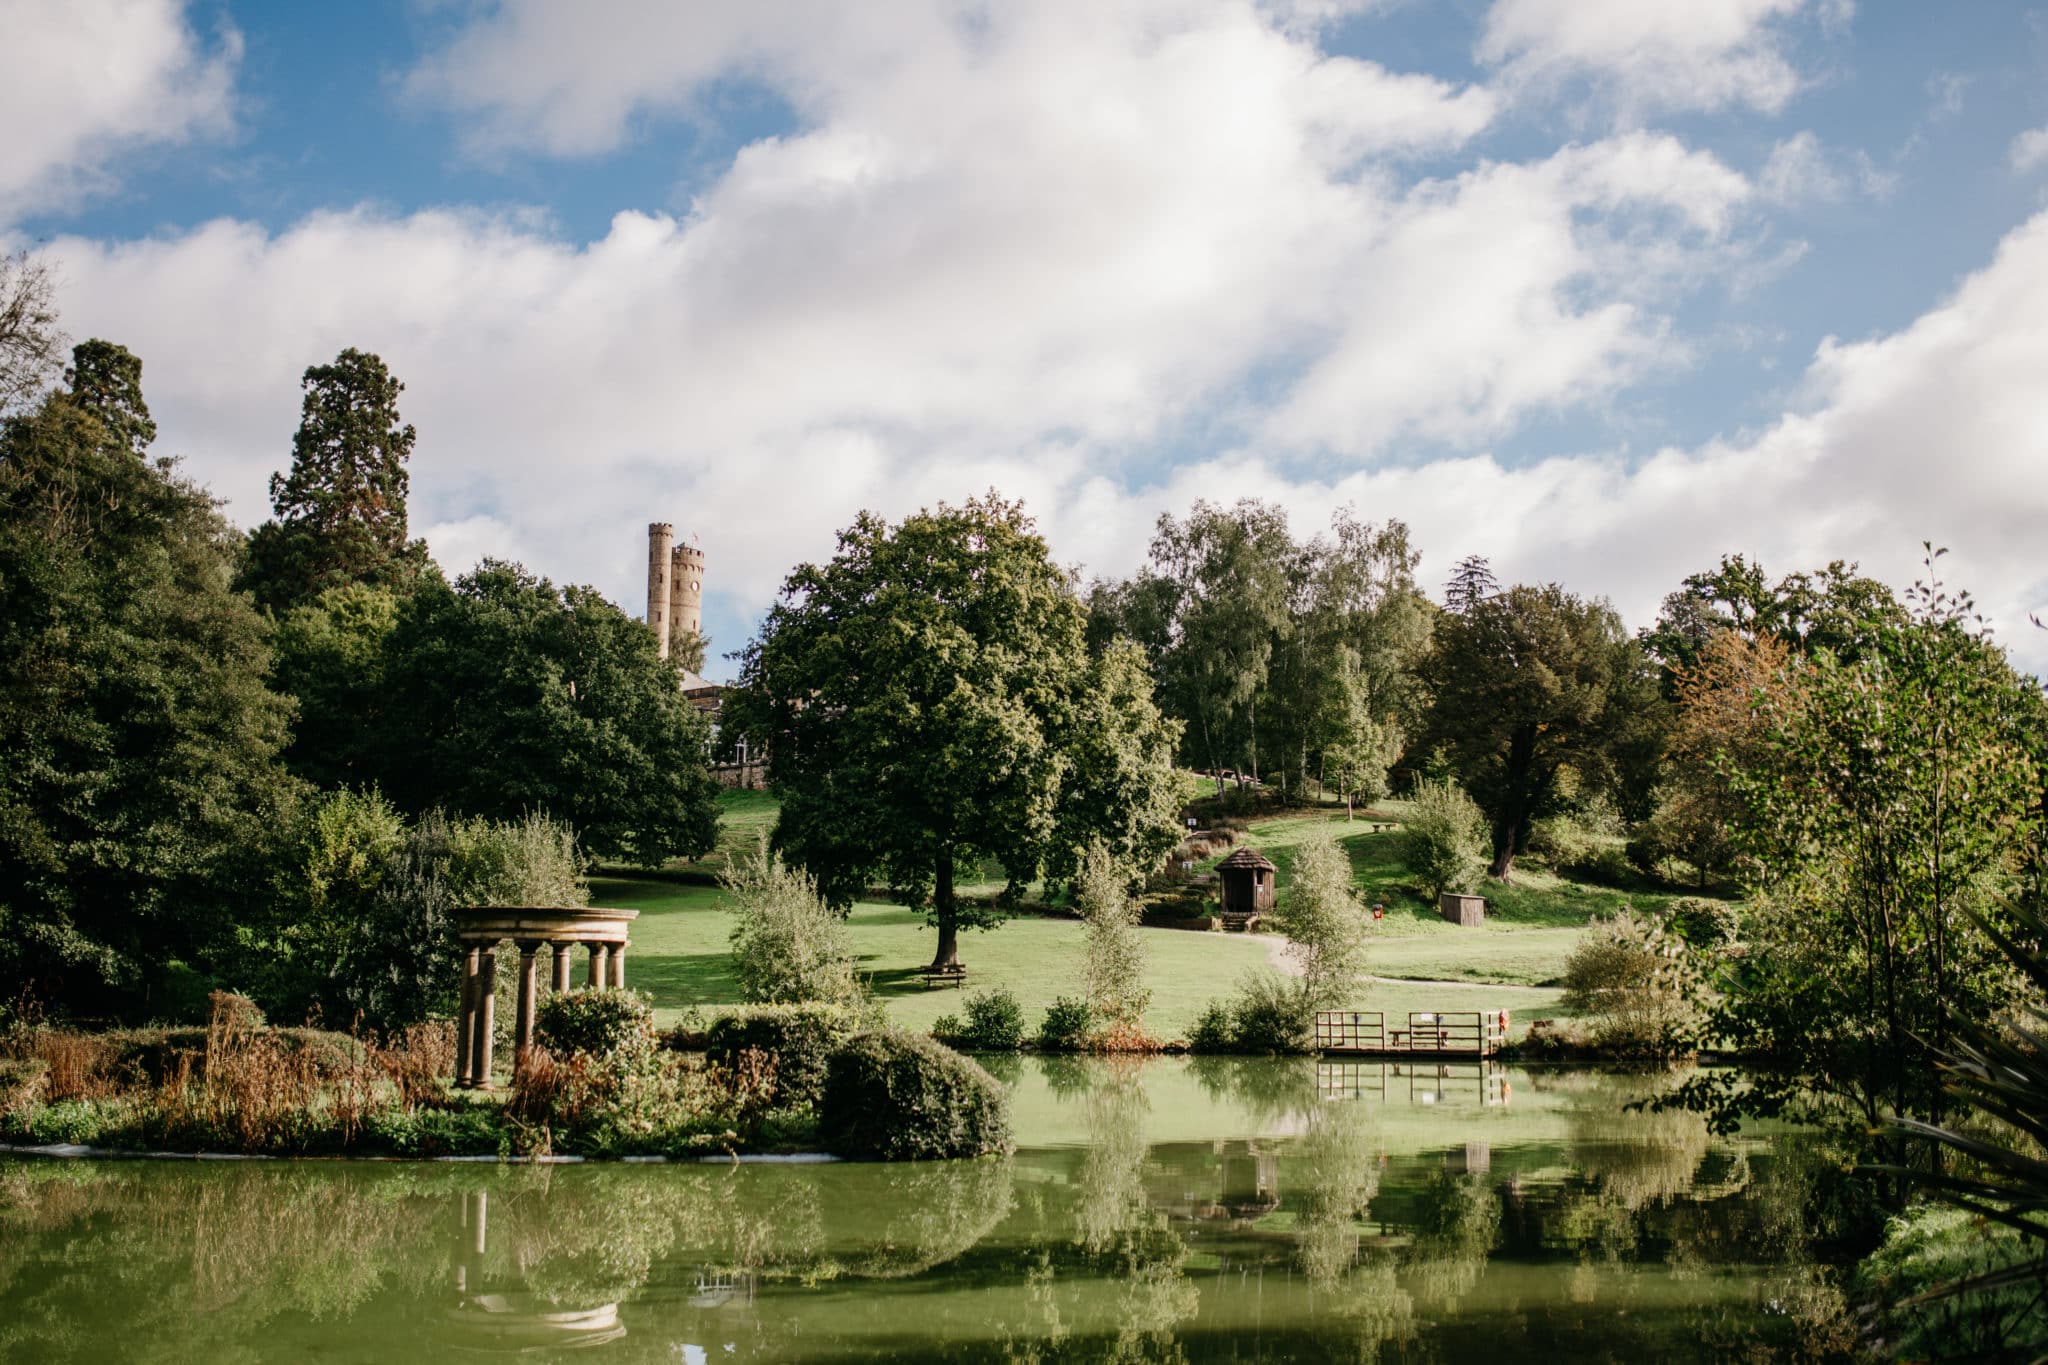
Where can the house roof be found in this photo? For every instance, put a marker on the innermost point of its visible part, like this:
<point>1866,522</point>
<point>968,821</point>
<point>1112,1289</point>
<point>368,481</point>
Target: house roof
<point>1247,856</point>
<point>697,682</point>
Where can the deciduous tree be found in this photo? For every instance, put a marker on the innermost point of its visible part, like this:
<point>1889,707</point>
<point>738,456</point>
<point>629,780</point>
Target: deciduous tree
<point>1523,684</point>
<point>924,702</point>
<point>505,694</point>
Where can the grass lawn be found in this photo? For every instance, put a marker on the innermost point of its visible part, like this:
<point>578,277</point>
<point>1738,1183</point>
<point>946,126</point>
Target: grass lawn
<point>679,952</point>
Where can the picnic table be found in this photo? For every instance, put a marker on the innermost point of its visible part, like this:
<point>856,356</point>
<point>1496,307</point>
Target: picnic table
<point>1423,1028</point>
<point>953,972</point>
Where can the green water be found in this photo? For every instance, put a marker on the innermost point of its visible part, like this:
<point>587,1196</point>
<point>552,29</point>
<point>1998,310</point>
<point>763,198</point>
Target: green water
<point>1167,1210</point>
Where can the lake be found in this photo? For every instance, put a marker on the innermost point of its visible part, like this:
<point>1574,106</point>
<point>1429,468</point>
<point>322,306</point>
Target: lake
<point>1168,1209</point>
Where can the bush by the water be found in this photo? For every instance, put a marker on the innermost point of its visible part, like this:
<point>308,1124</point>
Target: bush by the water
<point>1443,840</point>
<point>1635,984</point>
<point>994,1023</point>
<point>1269,1013</point>
<point>1214,1029</point>
<point>597,1021</point>
<point>894,1096</point>
<point>800,1039</point>
<point>1068,1027</point>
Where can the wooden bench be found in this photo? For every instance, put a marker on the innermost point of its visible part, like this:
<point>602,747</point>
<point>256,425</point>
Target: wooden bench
<point>1435,1039</point>
<point>938,976</point>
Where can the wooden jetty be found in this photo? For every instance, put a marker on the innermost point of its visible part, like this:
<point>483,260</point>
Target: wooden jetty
<point>1452,1033</point>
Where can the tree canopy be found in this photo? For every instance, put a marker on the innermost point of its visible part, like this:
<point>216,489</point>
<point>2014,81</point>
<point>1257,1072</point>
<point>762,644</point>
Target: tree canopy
<point>138,740</point>
<point>1524,684</point>
<point>928,703</point>
<point>340,511</point>
<point>504,694</point>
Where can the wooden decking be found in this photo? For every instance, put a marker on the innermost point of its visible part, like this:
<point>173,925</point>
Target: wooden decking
<point>1449,1033</point>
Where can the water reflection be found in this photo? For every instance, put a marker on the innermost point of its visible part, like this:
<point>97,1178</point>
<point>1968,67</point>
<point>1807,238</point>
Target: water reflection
<point>1157,1211</point>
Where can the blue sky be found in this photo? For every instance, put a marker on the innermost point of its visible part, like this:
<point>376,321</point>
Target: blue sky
<point>1600,289</point>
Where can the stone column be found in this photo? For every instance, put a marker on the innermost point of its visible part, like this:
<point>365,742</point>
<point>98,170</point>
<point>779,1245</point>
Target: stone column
<point>598,973</point>
<point>465,1016</point>
<point>561,954</point>
<point>529,990</point>
<point>619,966</point>
<point>486,1012</point>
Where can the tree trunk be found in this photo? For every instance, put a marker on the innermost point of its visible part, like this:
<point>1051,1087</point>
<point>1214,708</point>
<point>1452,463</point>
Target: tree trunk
<point>943,910</point>
<point>1503,864</point>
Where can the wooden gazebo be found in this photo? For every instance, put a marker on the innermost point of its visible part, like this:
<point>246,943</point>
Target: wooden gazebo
<point>1247,877</point>
<point>481,928</point>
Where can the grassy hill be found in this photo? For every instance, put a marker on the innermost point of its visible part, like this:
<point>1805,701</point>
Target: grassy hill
<point>1418,961</point>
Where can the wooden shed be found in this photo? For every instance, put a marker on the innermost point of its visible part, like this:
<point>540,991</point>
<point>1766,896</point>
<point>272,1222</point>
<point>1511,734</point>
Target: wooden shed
<point>1247,877</point>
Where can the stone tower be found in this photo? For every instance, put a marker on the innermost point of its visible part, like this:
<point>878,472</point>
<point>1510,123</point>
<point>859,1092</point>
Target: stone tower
<point>660,577</point>
<point>686,590</point>
<point>675,586</point>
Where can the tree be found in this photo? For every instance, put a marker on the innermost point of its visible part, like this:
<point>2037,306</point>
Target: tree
<point>1523,684</point>
<point>330,658</point>
<point>1121,789</point>
<point>1115,970</point>
<point>30,341</point>
<point>340,512</point>
<point>922,699</point>
<point>1229,571</point>
<point>1323,920</point>
<point>505,694</point>
<point>788,948</point>
<point>105,379</point>
<point>1472,582</point>
<point>1892,807</point>
<point>138,741</point>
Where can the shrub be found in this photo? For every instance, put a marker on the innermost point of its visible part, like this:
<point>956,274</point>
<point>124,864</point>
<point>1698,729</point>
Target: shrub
<point>529,861</point>
<point>894,1096</point>
<point>1704,923</point>
<point>1443,841</point>
<point>1115,973</point>
<point>21,1085</point>
<point>599,1021</point>
<point>1068,1025</point>
<point>788,947</point>
<point>1271,1014</point>
<point>995,1023</point>
<point>1634,982</point>
<point>1214,1030</point>
<point>800,1039</point>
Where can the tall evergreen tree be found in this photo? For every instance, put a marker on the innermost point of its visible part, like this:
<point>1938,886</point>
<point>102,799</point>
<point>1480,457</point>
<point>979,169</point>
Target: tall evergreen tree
<point>105,380</point>
<point>340,511</point>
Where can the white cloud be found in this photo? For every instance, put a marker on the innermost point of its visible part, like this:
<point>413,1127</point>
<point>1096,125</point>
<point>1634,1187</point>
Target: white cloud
<point>1061,253</point>
<point>1798,170</point>
<point>2029,150</point>
<point>89,80</point>
<point>1701,54</point>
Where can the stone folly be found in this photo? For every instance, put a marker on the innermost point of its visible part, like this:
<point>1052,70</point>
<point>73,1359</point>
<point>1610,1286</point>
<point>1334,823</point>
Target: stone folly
<point>675,586</point>
<point>480,929</point>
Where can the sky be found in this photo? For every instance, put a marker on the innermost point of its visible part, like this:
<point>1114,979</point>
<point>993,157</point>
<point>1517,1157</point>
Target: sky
<point>1599,289</point>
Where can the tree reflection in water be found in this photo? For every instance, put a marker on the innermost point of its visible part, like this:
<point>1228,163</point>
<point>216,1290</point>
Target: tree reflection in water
<point>1273,1223</point>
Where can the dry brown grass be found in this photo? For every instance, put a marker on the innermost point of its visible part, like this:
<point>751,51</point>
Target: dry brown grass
<point>81,1067</point>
